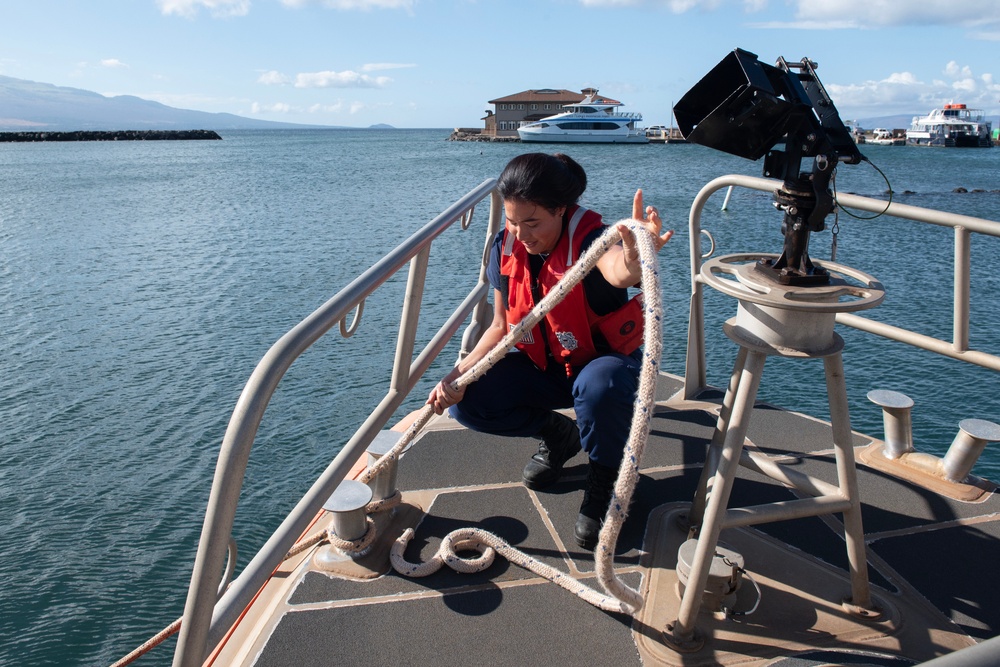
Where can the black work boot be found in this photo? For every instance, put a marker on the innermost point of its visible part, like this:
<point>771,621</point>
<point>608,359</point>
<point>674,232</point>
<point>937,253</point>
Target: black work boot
<point>596,500</point>
<point>560,443</point>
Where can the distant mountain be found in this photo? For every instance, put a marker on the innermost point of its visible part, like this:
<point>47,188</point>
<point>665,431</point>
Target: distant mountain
<point>899,121</point>
<point>28,106</point>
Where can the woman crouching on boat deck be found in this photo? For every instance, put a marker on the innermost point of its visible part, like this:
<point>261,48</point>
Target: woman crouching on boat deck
<point>576,357</point>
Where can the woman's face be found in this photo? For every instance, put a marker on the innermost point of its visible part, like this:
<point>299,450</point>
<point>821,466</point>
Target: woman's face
<point>535,226</point>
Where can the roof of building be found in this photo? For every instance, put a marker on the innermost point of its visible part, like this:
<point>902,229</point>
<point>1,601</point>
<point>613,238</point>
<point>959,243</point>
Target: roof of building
<point>550,95</point>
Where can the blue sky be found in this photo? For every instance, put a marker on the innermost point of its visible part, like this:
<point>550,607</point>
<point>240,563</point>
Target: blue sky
<point>436,63</point>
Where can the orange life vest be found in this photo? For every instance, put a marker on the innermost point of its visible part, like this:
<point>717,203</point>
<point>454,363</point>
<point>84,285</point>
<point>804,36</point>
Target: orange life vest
<point>569,326</point>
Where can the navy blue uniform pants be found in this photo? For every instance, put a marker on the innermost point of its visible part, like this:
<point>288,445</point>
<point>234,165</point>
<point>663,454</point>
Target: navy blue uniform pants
<point>515,397</point>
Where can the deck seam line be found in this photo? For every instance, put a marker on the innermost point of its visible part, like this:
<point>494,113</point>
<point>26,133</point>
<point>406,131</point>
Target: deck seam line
<point>433,594</point>
<point>931,527</point>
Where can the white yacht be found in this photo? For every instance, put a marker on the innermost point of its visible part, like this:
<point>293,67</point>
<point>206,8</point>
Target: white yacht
<point>953,126</point>
<point>884,137</point>
<point>594,120</point>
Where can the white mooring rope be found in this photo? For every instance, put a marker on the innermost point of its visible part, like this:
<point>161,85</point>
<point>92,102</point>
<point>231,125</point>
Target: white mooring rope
<point>620,597</point>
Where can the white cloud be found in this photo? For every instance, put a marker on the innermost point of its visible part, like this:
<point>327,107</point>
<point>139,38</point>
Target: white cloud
<point>902,92</point>
<point>272,78</point>
<point>326,108</point>
<point>345,79</point>
<point>883,94</point>
<point>229,8</point>
<point>258,108</point>
<point>218,8</point>
<point>952,69</point>
<point>681,6</point>
<point>184,100</point>
<point>981,17</point>
<point>986,35</point>
<point>353,4</point>
<point>904,78</point>
<point>112,63</point>
<point>277,107</point>
<point>965,85</point>
<point>880,13</point>
<point>676,6</point>
<point>805,25</point>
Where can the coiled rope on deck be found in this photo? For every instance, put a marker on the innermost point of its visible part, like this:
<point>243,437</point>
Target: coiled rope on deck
<point>620,597</point>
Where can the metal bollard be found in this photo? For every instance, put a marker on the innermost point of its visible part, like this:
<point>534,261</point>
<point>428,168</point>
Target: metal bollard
<point>383,484</point>
<point>896,421</point>
<point>965,449</point>
<point>347,504</point>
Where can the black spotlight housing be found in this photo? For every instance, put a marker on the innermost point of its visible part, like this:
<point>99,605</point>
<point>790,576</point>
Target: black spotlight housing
<point>746,108</point>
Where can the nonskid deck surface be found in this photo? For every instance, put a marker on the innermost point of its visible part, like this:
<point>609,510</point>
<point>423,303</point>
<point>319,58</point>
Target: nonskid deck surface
<point>922,548</point>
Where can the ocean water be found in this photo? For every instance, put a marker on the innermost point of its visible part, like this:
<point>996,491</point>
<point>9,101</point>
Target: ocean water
<point>141,282</point>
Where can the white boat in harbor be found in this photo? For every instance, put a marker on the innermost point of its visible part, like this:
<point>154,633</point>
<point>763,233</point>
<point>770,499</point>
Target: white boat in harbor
<point>884,137</point>
<point>857,132</point>
<point>593,120</point>
<point>953,126</point>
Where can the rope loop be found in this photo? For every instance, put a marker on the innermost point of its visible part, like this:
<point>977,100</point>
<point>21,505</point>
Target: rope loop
<point>357,545</point>
<point>621,598</point>
<point>462,539</point>
<point>385,504</point>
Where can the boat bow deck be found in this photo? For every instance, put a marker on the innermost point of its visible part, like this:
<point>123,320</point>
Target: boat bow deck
<point>929,559</point>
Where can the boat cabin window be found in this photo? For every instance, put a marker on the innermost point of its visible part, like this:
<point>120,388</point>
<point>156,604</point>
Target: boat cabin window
<point>587,125</point>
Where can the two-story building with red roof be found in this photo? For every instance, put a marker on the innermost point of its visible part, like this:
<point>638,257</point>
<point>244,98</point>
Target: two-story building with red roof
<point>510,112</point>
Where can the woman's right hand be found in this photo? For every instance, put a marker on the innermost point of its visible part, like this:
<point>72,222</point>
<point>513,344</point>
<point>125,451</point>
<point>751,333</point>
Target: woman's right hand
<point>444,394</point>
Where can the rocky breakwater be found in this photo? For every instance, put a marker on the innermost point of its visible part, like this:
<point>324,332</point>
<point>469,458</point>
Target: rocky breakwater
<point>474,134</point>
<point>112,135</point>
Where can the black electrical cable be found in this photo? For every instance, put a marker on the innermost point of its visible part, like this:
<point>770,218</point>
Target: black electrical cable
<point>863,217</point>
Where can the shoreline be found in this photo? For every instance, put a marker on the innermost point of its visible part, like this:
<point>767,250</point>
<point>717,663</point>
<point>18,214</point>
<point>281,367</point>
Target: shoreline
<point>472,134</point>
<point>110,135</point>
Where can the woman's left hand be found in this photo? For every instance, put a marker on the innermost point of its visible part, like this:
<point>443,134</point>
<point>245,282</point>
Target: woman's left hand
<point>650,219</point>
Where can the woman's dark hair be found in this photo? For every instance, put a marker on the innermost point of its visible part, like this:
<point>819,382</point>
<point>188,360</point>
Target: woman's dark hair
<point>550,181</point>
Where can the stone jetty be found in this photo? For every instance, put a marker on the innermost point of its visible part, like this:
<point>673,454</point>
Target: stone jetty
<point>475,134</point>
<point>112,135</point>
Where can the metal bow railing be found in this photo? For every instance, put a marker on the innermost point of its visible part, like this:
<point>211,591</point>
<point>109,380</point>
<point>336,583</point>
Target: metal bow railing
<point>207,617</point>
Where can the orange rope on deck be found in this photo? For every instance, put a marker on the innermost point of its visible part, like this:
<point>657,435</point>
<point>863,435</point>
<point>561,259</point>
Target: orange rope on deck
<point>149,644</point>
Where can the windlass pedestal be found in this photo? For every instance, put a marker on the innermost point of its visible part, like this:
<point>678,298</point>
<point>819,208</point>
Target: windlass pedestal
<point>795,321</point>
